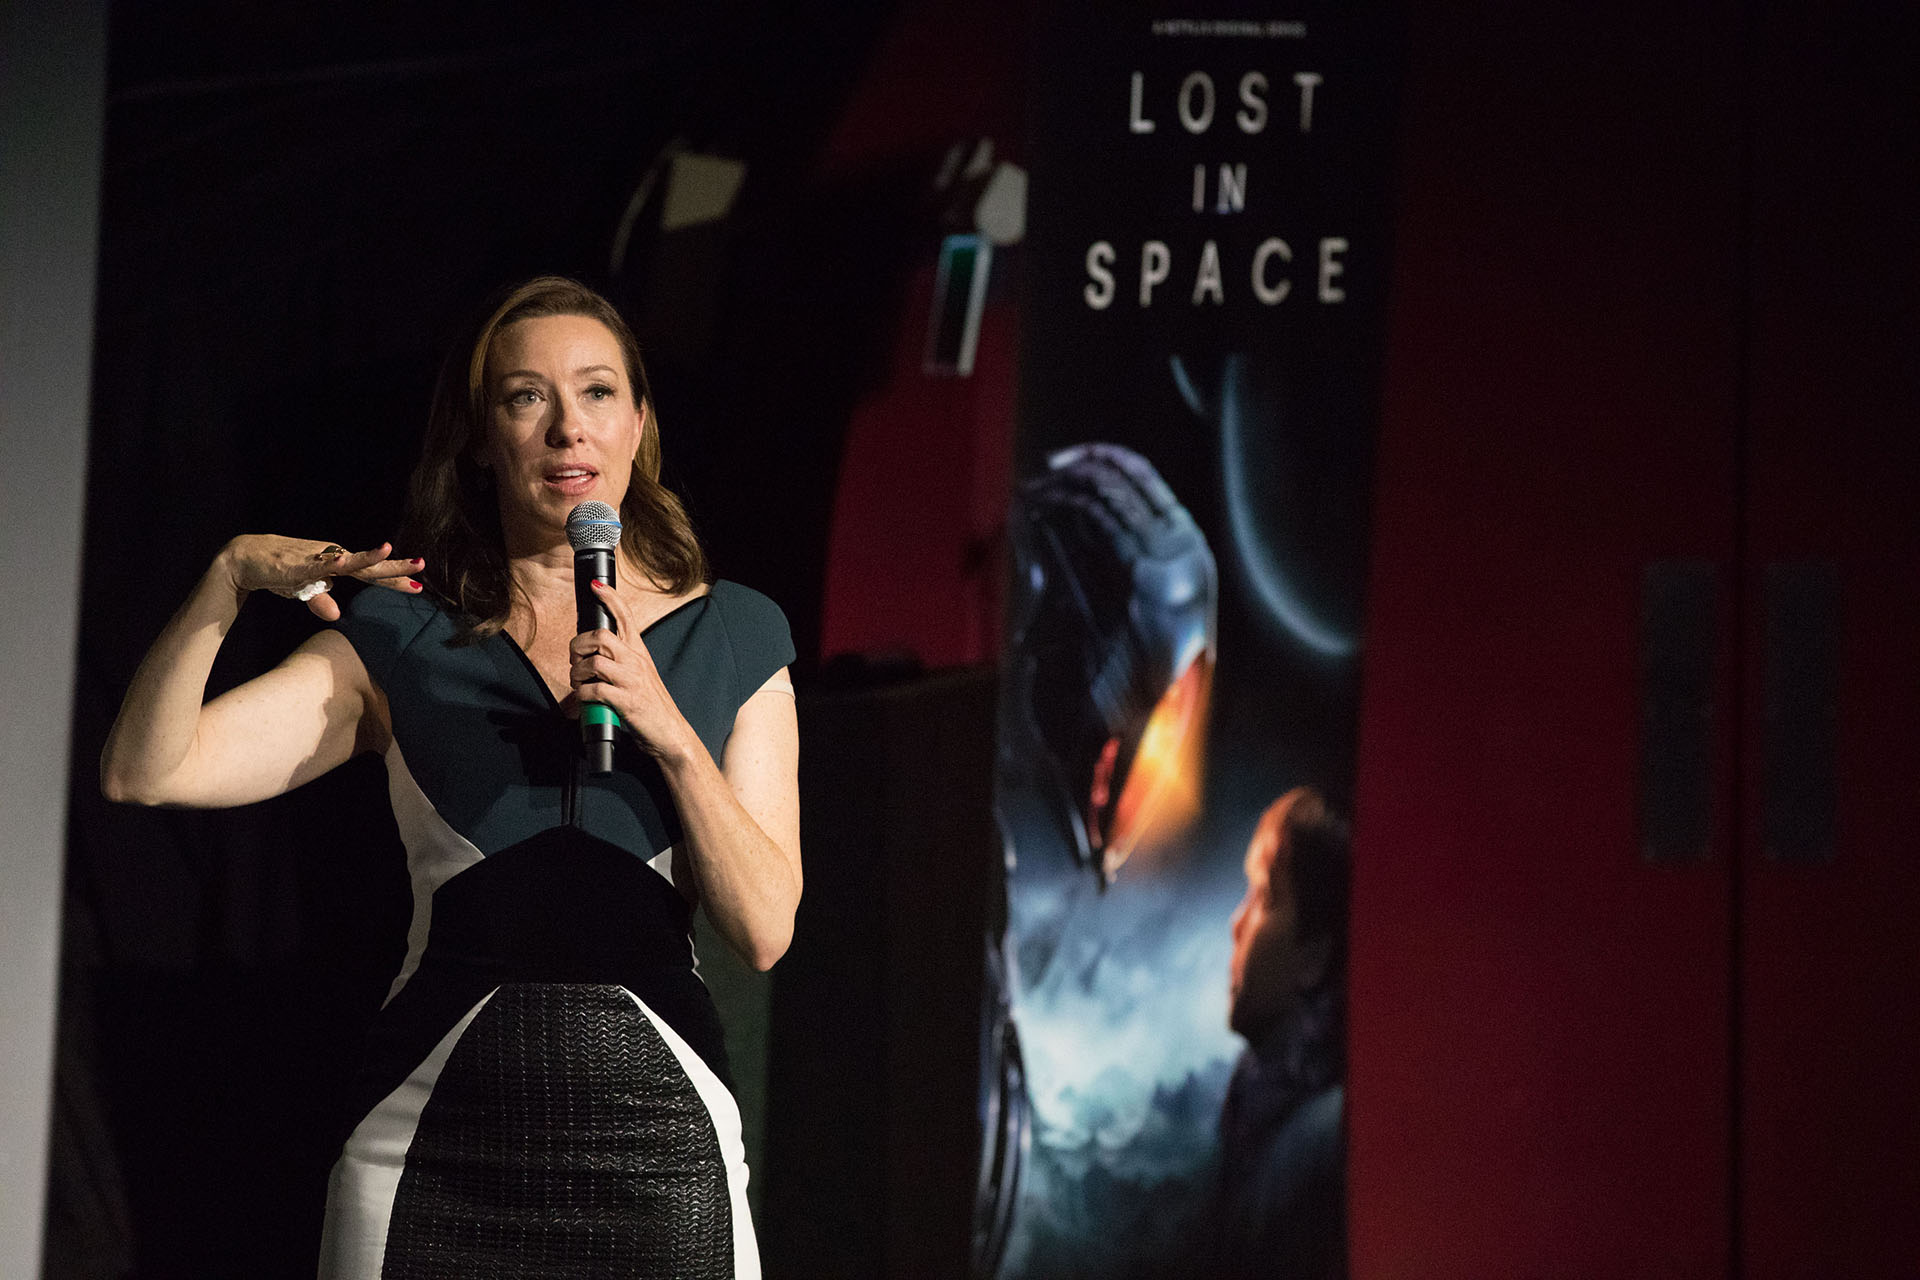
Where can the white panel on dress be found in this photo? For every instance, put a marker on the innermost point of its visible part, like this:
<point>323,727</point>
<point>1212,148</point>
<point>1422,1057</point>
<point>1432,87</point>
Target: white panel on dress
<point>366,1177</point>
<point>436,853</point>
<point>725,1114</point>
<point>662,862</point>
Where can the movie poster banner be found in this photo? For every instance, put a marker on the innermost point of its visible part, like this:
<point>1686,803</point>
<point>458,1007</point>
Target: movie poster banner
<point>1164,1044</point>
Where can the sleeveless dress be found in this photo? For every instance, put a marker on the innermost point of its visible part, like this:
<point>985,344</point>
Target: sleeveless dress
<point>545,1091</point>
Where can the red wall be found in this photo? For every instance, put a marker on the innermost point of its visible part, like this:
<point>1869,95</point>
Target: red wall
<point>915,553</point>
<point>1655,286</point>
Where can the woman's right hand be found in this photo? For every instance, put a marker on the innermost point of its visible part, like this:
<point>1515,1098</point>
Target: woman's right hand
<point>269,562</point>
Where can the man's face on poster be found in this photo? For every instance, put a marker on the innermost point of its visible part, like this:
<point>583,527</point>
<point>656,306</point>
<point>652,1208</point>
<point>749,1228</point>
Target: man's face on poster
<point>1270,966</point>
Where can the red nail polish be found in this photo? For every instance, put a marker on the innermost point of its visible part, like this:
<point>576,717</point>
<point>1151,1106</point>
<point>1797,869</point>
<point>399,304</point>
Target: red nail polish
<point>417,562</point>
<point>415,585</point>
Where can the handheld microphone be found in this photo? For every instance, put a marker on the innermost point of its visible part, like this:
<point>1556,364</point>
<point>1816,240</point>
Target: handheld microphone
<point>593,528</point>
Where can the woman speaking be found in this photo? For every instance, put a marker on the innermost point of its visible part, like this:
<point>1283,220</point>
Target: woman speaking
<point>545,1089</point>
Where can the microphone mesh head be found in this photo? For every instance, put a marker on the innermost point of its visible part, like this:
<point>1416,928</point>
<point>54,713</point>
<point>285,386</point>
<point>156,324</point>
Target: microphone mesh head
<point>593,526</point>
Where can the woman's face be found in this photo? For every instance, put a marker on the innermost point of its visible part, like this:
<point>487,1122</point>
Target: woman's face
<point>563,423</point>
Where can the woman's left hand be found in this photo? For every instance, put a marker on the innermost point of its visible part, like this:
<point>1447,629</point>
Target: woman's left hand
<point>610,669</point>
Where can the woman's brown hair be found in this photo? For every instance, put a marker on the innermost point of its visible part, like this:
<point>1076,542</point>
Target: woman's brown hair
<point>453,514</point>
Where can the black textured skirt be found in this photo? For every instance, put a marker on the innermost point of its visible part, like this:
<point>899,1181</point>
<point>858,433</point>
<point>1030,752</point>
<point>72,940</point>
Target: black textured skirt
<point>558,1130</point>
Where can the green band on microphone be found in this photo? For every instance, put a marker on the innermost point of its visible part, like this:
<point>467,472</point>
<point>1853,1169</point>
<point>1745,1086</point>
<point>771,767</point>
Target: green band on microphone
<point>599,713</point>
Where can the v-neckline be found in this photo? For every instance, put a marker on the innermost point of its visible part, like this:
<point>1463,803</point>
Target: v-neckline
<point>540,681</point>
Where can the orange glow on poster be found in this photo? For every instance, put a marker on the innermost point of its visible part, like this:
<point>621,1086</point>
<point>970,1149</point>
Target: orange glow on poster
<point>1163,787</point>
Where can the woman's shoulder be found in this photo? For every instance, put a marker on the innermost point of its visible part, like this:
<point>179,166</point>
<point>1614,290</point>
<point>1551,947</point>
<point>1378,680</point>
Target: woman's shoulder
<point>382,624</point>
<point>743,608</point>
<point>757,631</point>
<point>384,606</point>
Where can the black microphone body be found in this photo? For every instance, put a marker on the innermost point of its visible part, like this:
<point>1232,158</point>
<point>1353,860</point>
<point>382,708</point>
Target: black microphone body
<point>594,530</point>
<point>593,563</point>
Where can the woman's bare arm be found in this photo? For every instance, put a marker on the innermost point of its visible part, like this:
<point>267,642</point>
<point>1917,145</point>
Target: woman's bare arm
<point>742,824</point>
<point>272,733</point>
<point>741,814</point>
